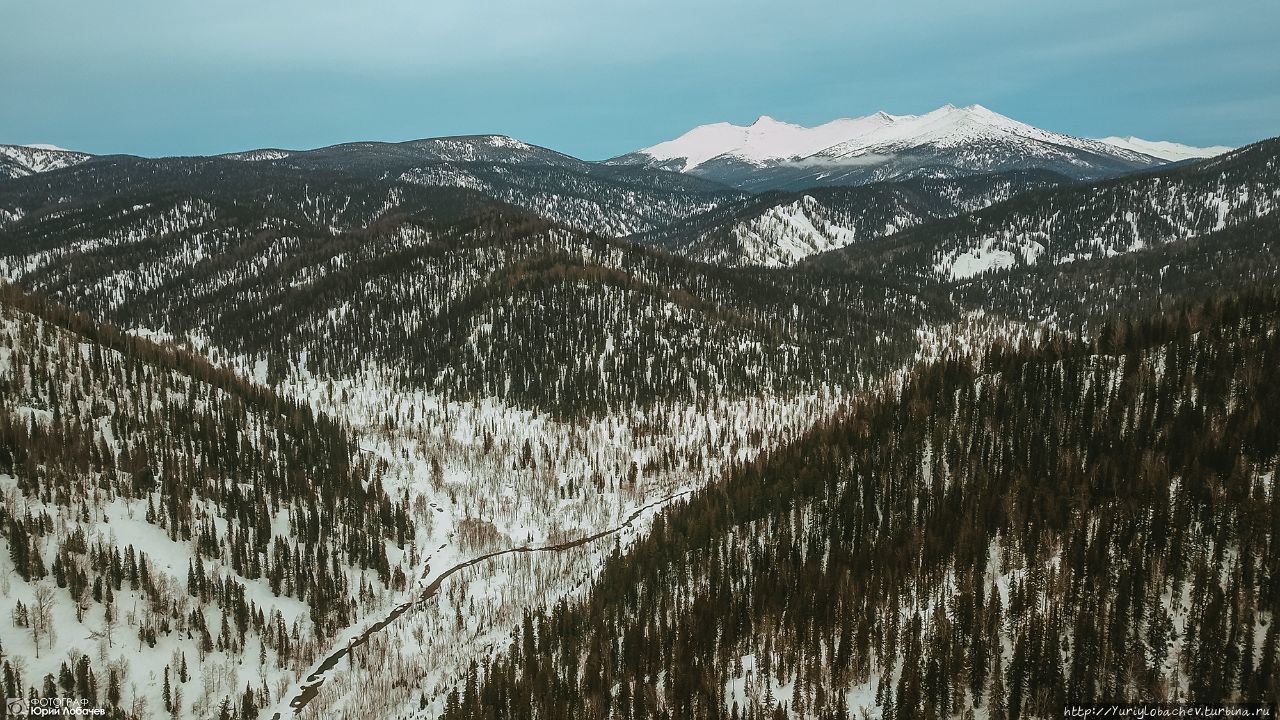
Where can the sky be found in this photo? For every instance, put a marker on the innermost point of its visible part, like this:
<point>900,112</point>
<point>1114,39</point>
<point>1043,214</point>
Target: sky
<point>598,78</point>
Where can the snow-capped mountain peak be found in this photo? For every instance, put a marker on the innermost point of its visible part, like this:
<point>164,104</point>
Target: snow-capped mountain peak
<point>762,141</point>
<point>770,140</point>
<point>951,127</point>
<point>950,141</point>
<point>1171,151</point>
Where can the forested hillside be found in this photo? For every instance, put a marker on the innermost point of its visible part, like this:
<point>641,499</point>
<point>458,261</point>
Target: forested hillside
<point>1093,521</point>
<point>341,376</point>
<point>779,229</point>
<point>483,306</point>
<point>315,259</point>
<point>178,539</point>
<point>1088,294</point>
<point>342,181</point>
<point>1083,222</point>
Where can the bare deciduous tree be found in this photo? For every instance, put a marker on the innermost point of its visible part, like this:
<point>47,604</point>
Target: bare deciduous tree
<point>42,615</point>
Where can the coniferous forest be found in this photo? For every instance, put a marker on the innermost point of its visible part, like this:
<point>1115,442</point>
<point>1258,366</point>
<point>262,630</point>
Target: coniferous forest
<point>1064,521</point>
<point>469,429</point>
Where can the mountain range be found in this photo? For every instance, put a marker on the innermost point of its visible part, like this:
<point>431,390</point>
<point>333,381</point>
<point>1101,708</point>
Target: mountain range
<point>673,194</point>
<point>945,143</point>
<point>758,424</point>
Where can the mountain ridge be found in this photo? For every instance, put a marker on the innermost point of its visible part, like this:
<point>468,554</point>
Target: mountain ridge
<point>947,142</point>
<point>713,150</point>
<point>494,376</point>
<point>18,161</point>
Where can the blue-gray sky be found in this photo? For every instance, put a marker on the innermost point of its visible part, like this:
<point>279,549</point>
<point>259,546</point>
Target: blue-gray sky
<point>596,78</point>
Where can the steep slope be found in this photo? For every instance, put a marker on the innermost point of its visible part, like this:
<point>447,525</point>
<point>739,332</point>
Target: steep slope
<point>10,168</point>
<point>176,538</point>
<point>780,229</point>
<point>1081,222</point>
<point>943,548</point>
<point>947,142</point>
<point>22,160</point>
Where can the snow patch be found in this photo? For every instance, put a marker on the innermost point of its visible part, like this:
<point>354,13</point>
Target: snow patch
<point>1165,150</point>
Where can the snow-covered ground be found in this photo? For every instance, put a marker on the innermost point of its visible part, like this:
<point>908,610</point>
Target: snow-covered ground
<point>527,479</point>
<point>497,476</point>
<point>480,475</point>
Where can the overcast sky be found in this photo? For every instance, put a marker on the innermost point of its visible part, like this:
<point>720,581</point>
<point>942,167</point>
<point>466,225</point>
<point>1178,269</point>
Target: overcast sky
<point>597,78</point>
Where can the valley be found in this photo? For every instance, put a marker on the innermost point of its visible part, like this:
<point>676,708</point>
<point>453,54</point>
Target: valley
<point>465,427</point>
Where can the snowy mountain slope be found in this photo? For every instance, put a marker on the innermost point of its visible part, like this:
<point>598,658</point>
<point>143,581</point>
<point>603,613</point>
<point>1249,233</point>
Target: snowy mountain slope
<point>1171,151</point>
<point>1081,222</point>
<point>780,229</point>
<point>613,204</point>
<point>950,126</point>
<point>784,234</point>
<point>22,160</point>
<point>525,478</point>
<point>764,140</point>
<point>947,142</point>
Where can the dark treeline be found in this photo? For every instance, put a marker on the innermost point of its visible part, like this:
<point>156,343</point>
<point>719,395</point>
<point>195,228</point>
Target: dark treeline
<point>1089,521</point>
